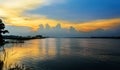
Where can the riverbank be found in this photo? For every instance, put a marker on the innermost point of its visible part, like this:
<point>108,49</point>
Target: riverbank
<point>23,37</point>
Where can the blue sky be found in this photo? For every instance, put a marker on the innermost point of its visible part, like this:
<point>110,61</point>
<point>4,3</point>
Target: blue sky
<point>83,15</point>
<point>81,10</point>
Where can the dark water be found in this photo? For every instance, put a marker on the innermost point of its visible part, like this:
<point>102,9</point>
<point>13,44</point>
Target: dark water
<point>66,54</point>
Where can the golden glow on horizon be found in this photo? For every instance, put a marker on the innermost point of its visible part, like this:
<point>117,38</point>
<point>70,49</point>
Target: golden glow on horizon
<point>100,24</point>
<point>14,13</point>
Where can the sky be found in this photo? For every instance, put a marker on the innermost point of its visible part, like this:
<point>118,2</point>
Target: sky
<point>83,15</point>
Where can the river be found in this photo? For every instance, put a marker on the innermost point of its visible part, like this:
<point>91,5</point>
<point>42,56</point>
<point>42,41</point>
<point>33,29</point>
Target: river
<point>65,54</point>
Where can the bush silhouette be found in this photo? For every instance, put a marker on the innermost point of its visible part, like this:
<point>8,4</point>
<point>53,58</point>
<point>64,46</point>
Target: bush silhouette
<point>2,31</point>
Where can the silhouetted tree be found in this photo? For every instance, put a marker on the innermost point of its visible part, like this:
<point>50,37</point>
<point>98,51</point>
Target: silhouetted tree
<point>2,31</point>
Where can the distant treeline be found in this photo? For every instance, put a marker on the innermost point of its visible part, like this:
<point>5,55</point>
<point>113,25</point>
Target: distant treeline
<point>98,37</point>
<point>22,37</point>
<point>92,37</point>
<point>41,37</point>
<point>108,37</point>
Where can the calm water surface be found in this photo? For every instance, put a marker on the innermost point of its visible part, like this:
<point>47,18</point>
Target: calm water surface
<point>65,54</point>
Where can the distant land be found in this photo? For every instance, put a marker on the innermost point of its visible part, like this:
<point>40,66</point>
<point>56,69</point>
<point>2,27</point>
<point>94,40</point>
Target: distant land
<point>89,37</point>
<point>23,37</point>
<point>42,37</point>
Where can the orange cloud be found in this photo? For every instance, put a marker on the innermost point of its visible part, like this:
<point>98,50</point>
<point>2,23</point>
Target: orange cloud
<point>99,24</point>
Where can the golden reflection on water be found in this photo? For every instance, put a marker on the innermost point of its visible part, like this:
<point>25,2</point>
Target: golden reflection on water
<point>48,47</point>
<point>34,49</point>
<point>15,53</point>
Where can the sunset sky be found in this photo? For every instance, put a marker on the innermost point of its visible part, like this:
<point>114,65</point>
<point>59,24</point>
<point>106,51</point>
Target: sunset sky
<point>83,15</point>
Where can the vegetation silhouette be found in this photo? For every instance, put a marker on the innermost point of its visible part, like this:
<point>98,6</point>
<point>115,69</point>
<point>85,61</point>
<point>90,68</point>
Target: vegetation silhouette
<point>19,38</point>
<point>2,31</point>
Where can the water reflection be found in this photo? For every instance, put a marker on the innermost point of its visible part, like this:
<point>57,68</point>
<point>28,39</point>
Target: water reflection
<point>48,48</point>
<point>44,52</point>
<point>34,50</point>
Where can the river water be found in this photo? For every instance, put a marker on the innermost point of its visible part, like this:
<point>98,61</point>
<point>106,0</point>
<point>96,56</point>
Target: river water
<point>64,54</point>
